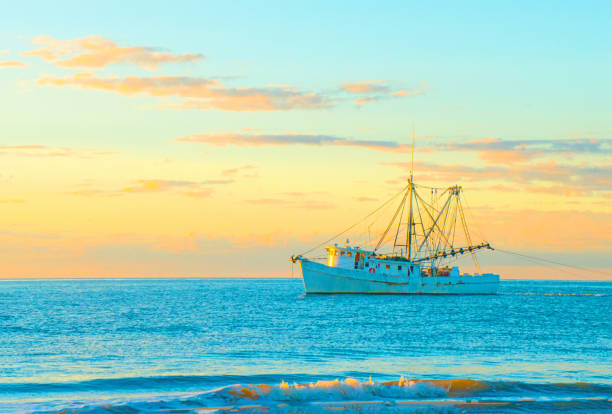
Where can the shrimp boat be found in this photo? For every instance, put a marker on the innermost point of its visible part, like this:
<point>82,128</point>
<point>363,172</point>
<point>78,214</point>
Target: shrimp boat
<point>424,244</point>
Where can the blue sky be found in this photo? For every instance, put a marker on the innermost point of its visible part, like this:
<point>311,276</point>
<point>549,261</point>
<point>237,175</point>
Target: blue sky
<point>544,66</point>
<point>463,71</point>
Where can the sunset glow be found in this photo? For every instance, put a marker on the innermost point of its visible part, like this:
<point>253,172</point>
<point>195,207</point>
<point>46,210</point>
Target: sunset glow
<point>220,143</point>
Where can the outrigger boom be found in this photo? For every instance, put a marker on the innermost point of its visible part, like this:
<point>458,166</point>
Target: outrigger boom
<point>454,252</point>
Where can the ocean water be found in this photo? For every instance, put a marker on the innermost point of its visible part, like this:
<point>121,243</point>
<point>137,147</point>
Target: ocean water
<point>260,345</point>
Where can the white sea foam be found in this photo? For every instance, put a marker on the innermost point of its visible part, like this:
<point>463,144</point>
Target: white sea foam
<point>335,390</point>
<point>349,396</point>
<point>352,396</point>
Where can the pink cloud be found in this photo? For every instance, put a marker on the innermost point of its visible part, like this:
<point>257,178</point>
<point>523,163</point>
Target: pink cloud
<point>96,52</point>
<point>199,93</point>
<point>236,170</point>
<point>198,189</point>
<point>495,151</point>
<point>365,100</point>
<point>537,177</point>
<point>408,92</point>
<point>503,156</point>
<point>376,90</point>
<point>368,86</point>
<point>484,141</point>
<point>12,64</point>
<point>256,140</point>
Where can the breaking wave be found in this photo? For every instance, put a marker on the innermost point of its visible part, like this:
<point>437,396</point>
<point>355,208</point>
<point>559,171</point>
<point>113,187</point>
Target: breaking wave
<point>351,395</point>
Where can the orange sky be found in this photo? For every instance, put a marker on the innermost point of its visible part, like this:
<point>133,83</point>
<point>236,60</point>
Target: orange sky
<point>139,154</point>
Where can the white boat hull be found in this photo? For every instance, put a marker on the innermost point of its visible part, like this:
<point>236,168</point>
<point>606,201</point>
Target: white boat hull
<point>319,278</point>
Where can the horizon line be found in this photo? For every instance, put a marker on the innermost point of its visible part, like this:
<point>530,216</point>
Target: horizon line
<point>153,277</point>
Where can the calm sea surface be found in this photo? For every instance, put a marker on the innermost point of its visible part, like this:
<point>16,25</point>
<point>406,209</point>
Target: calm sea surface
<point>161,345</point>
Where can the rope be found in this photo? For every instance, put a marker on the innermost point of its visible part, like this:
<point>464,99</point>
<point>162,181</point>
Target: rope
<point>391,222</point>
<point>473,221</point>
<point>555,263</point>
<point>354,225</point>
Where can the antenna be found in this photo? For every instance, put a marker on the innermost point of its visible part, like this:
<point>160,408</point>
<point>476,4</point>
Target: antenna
<point>412,160</point>
<point>410,222</point>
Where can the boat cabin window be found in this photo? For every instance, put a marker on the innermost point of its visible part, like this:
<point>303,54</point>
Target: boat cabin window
<point>348,254</point>
<point>341,253</point>
<point>387,267</point>
<point>399,267</point>
<point>367,264</point>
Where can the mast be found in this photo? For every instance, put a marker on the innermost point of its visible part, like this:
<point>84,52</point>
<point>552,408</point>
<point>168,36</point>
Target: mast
<point>410,223</point>
<point>412,157</point>
<point>436,236</point>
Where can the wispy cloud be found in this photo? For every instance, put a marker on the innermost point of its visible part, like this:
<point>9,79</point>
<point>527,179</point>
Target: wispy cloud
<point>199,189</point>
<point>198,93</point>
<point>11,64</point>
<point>153,186</point>
<point>246,170</point>
<point>46,151</point>
<point>491,150</point>
<point>255,140</point>
<point>535,145</point>
<point>495,150</point>
<point>376,90</point>
<point>365,100</point>
<point>368,86</point>
<point>538,177</point>
<point>408,92</point>
<point>96,52</point>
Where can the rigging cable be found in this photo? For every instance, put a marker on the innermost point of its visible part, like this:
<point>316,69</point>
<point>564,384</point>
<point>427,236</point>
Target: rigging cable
<point>537,259</point>
<point>354,225</point>
<point>472,217</point>
<point>391,223</point>
<point>467,233</point>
